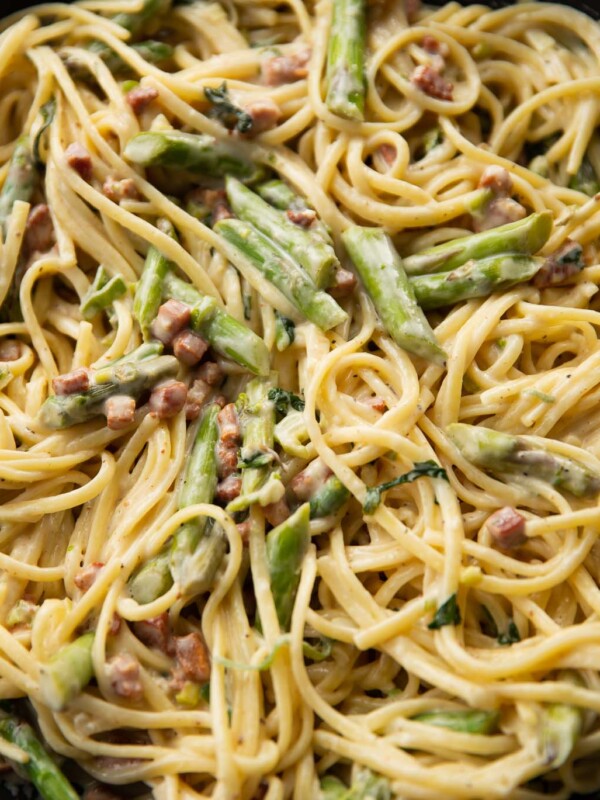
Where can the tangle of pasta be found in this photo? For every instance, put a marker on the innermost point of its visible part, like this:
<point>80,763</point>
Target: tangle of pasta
<point>357,688</point>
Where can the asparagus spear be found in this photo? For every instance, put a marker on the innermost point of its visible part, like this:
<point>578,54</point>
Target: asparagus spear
<point>135,22</point>
<point>365,786</point>
<point>561,726</point>
<point>346,60</point>
<point>471,721</point>
<point>40,769</point>
<point>283,197</point>
<point>473,279</point>
<point>67,673</point>
<point>311,252</point>
<point>141,353</point>
<point>189,151</point>
<point>286,547</point>
<point>329,498</point>
<point>284,273</point>
<point>524,237</point>
<point>380,268</point>
<point>226,335</point>
<point>502,453</point>
<point>20,181</point>
<point>126,377</point>
<point>102,293</point>
<point>148,292</point>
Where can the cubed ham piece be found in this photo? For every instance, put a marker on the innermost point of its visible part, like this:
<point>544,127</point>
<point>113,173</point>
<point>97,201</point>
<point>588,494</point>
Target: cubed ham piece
<point>117,190</point>
<point>304,217</point>
<point>433,46</point>
<point>79,159</point>
<point>344,283</point>
<point>276,513</point>
<point>561,266</point>
<point>229,440</point>
<point>305,483</point>
<point>197,395</point>
<point>123,673</point>
<point>228,489</point>
<point>155,633</point>
<point>173,316</point>
<point>500,211</point>
<point>221,210</point>
<point>497,179</point>
<point>10,350</point>
<point>265,114</point>
<point>140,97</point>
<point>210,372</point>
<point>429,81</point>
<point>189,348</point>
<point>72,382</point>
<point>244,529</point>
<point>87,575</point>
<point>388,152</point>
<point>192,657</point>
<point>120,411</point>
<point>507,528</point>
<point>39,233</point>
<point>285,69</point>
<point>168,399</point>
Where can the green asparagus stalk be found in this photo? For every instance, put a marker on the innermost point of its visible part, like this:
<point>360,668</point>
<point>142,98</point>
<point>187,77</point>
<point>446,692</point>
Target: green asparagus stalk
<point>365,786</point>
<point>226,335</point>
<point>141,353</point>
<point>153,579</point>
<point>585,179</point>
<point>20,181</point>
<point>102,293</point>
<point>501,453</point>
<point>126,377</point>
<point>190,151</point>
<point>473,279</point>
<point>311,252</point>
<point>67,673</point>
<point>329,498</point>
<point>40,769</point>
<point>524,237</point>
<point>286,547</point>
<point>380,268</point>
<point>346,60</point>
<point>149,290</point>
<point>136,22</point>
<point>470,721</point>
<point>284,273</point>
<point>283,197</point>
<point>561,726</point>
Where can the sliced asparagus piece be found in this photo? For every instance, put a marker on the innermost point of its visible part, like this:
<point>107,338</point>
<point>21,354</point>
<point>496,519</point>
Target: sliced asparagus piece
<point>226,335</point>
<point>286,547</point>
<point>149,290</point>
<point>141,353</point>
<point>524,237</point>
<point>190,151</point>
<point>20,181</point>
<point>365,786</point>
<point>561,726</point>
<point>285,332</point>
<point>311,252</point>
<point>102,293</point>
<point>283,197</point>
<point>501,453</point>
<point>67,673</point>
<point>153,579</point>
<point>380,268</point>
<point>125,377</point>
<point>284,273</point>
<point>473,279</point>
<point>470,721</point>
<point>346,60</point>
<point>40,769</point>
<point>329,498</point>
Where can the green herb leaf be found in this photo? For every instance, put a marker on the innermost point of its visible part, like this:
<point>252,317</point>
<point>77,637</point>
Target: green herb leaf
<point>511,636</point>
<point>285,332</point>
<point>285,401</point>
<point>468,721</point>
<point>231,116</point>
<point>421,469</point>
<point>447,614</point>
<point>252,459</point>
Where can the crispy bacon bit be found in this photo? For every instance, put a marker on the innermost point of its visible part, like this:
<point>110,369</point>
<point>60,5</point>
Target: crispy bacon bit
<point>507,528</point>
<point>154,632</point>
<point>388,152</point>
<point>344,283</point>
<point>376,403</point>
<point>276,513</point>
<point>229,439</point>
<point>140,97</point>
<point>87,575</point>
<point>39,233</point>
<point>120,411</point>
<point>79,159</point>
<point>305,483</point>
<point>189,347</point>
<point>429,81</point>
<point>72,382</point>
<point>210,372</point>
<point>497,179</point>
<point>304,217</point>
<point>192,657</point>
<point>560,266</point>
<point>124,675</point>
<point>285,69</point>
<point>228,489</point>
<point>173,316</point>
<point>433,46</point>
<point>500,211</point>
<point>10,350</point>
<point>117,190</point>
<point>265,114</point>
<point>168,399</point>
